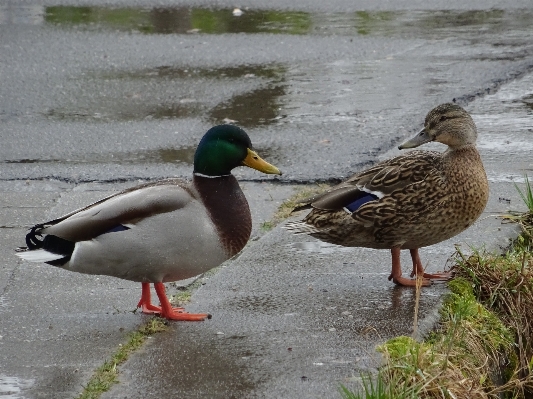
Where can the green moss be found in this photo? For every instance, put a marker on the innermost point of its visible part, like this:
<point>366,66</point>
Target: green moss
<point>461,287</point>
<point>399,347</point>
<point>181,298</point>
<point>267,226</point>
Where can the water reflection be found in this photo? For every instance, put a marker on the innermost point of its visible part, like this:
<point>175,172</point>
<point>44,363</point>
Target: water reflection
<point>180,20</point>
<point>107,110</point>
<point>430,24</point>
<point>183,20</point>
<point>161,155</point>
<point>170,92</point>
<point>181,155</point>
<point>383,22</point>
<point>270,71</point>
<point>258,107</point>
<point>454,19</point>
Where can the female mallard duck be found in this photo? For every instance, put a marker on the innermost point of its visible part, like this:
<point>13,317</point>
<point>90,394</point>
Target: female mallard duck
<point>162,231</point>
<point>410,201</point>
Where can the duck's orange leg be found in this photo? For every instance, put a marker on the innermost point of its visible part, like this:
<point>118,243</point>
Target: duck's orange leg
<point>396,274</point>
<point>146,302</point>
<point>418,269</point>
<point>168,312</point>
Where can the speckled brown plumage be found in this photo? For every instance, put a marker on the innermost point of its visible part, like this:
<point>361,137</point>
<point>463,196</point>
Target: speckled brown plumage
<point>421,198</point>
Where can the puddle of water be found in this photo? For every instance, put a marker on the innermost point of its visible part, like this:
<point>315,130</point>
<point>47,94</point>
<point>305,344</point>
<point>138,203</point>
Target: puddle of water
<point>183,20</point>
<point>151,94</point>
<point>108,110</point>
<point>161,155</point>
<point>258,107</point>
<point>179,20</point>
<point>218,21</point>
<point>11,387</point>
<point>183,155</point>
<point>169,72</point>
<point>438,24</point>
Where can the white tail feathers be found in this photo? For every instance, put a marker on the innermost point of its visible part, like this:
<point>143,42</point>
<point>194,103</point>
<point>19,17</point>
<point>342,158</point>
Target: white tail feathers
<point>301,227</point>
<point>39,255</point>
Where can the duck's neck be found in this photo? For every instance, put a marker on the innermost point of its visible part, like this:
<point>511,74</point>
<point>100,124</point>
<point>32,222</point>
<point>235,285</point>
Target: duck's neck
<point>464,164</point>
<point>463,152</point>
<point>228,209</point>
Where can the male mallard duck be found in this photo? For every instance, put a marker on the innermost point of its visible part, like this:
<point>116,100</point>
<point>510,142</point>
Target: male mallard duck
<point>162,231</point>
<point>410,201</point>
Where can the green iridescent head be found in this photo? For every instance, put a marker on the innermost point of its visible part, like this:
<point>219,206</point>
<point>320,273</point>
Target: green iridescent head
<point>225,147</point>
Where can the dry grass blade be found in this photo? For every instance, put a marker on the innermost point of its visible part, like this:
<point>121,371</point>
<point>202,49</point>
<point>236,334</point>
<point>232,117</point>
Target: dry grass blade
<point>418,287</point>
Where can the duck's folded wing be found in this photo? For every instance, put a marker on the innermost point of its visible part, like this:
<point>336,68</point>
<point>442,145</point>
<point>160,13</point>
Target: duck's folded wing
<point>122,209</point>
<point>381,180</point>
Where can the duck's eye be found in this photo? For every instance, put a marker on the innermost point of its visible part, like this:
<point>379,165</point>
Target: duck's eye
<point>443,118</point>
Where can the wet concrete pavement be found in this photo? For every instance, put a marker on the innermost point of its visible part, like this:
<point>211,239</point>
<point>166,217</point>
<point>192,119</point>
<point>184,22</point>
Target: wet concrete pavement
<point>95,98</point>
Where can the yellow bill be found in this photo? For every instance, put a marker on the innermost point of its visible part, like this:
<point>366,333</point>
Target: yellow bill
<point>254,161</point>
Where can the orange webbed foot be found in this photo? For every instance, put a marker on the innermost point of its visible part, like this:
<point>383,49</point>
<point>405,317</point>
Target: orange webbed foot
<point>184,316</point>
<point>147,307</point>
<point>418,269</point>
<point>170,313</point>
<point>396,274</point>
<point>439,276</point>
<point>407,282</point>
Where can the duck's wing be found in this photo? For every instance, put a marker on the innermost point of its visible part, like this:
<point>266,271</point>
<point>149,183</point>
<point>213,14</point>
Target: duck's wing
<point>378,181</point>
<point>116,211</point>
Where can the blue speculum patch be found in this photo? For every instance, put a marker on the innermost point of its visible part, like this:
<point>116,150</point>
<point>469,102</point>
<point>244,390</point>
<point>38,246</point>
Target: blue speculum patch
<point>355,205</point>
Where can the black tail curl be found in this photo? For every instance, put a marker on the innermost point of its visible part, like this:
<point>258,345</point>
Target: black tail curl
<point>50,243</point>
<point>31,238</point>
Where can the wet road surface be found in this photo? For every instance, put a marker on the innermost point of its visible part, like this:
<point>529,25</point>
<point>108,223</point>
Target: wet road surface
<point>134,88</point>
<point>114,93</point>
